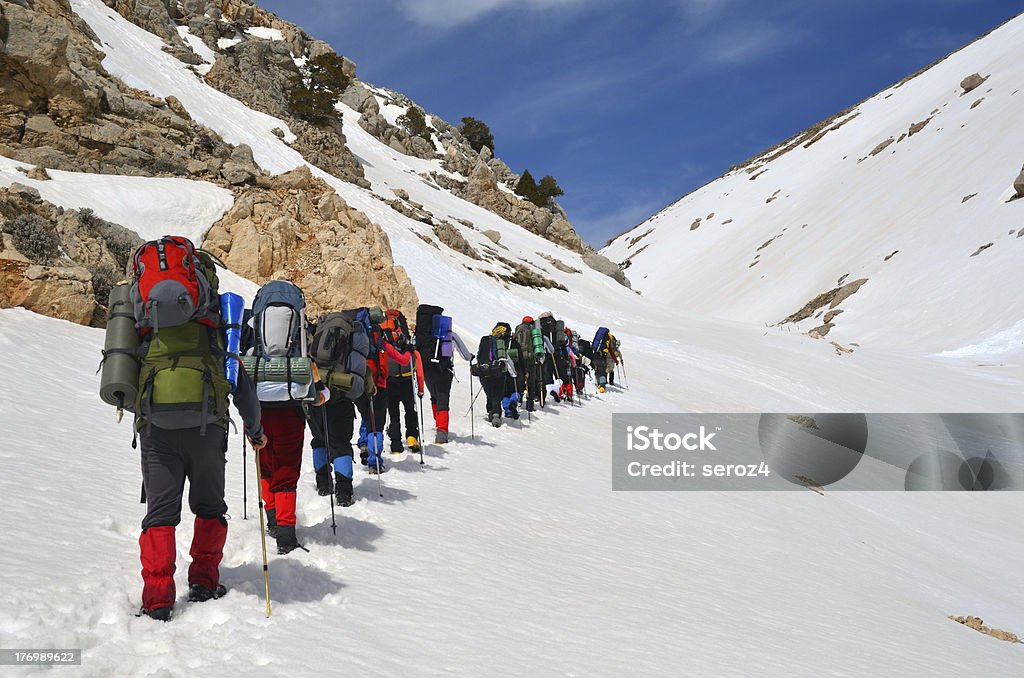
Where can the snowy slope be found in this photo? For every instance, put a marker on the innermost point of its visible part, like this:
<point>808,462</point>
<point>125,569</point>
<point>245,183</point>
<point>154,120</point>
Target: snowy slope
<point>504,556</point>
<point>507,555</point>
<point>832,209</point>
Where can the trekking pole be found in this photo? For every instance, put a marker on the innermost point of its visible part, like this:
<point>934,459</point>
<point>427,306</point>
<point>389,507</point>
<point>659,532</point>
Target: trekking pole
<point>330,467</point>
<point>414,384</point>
<point>373,432</point>
<point>472,400</point>
<point>245,480</point>
<point>263,540</point>
<point>625,379</point>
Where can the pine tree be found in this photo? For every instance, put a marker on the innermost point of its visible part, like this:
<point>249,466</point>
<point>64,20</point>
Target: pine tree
<point>414,122</point>
<point>548,189</point>
<point>527,187</point>
<point>313,94</point>
<point>477,133</point>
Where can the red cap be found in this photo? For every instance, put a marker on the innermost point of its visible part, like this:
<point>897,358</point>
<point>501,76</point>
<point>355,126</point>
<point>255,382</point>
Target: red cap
<point>527,319</point>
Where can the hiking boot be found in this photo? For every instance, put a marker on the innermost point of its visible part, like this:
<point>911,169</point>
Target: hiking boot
<point>413,444</point>
<point>440,437</point>
<point>272,522</point>
<point>163,614</point>
<point>343,490</point>
<point>197,593</point>
<point>364,454</point>
<point>323,480</point>
<point>514,413</point>
<point>286,540</point>
<point>373,468</point>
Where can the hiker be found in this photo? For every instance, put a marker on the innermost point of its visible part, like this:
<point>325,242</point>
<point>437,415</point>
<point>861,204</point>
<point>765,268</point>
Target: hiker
<point>586,358</point>
<point>436,343</point>
<point>182,417</point>
<point>495,369</point>
<point>568,356</point>
<point>340,348</point>
<point>531,354</point>
<point>401,392</point>
<point>554,363</point>
<point>603,365</point>
<point>279,332</point>
<point>614,357</point>
<point>373,406</point>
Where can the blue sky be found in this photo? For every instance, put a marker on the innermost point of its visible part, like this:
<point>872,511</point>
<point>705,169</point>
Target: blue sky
<point>631,104</point>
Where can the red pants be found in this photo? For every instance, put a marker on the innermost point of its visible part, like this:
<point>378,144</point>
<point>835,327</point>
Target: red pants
<point>281,460</point>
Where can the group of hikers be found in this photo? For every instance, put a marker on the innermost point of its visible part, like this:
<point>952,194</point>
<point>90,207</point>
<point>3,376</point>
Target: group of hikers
<point>177,350</point>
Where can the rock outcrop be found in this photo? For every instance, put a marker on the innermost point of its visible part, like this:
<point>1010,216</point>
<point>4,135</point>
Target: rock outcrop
<point>299,229</point>
<point>1018,184</point>
<point>61,263</point>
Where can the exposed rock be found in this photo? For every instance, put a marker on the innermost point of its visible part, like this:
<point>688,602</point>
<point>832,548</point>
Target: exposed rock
<point>326,149</point>
<point>493,236</point>
<point>68,261</point>
<point>560,265</point>
<point>400,193</point>
<point>972,82</point>
<point>832,298</point>
<point>310,235</point>
<point>982,249</point>
<point>696,224</point>
<point>482,189</point>
<point>450,236</point>
<point>978,624</point>
<point>967,197</point>
<point>882,146</point>
<point>57,291</point>
<point>603,264</point>
<point>1018,184</point>
<point>918,126</point>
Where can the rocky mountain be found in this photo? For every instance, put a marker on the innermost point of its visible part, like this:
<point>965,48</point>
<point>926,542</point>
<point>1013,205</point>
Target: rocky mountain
<point>63,107</point>
<point>896,223</point>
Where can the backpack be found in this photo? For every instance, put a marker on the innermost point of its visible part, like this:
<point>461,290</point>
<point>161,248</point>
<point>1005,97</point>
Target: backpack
<point>548,325</point>
<point>279,321</point>
<point>174,283</point>
<point>397,329</point>
<point>425,341</point>
<point>561,338</point>
<point>586,348</point>
<point>182,376</point>
<point>340,348</point>
<point>524,337</point>
<point>279,363</point>
<point>441,329</point>
<point>600,344</point>
<point>490,354</point>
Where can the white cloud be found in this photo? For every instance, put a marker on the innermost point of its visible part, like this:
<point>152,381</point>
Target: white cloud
<point>453,13</point>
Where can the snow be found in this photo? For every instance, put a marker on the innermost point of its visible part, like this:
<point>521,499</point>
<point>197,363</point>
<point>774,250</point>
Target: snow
<point>265,33</point>
<point>932,296</point>
<point>150,206</point>
<point>227,43</point>
<point>509,554</point>
<point>199,47</point>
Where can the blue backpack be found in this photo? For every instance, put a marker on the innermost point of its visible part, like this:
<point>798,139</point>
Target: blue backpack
<point>600,340</point>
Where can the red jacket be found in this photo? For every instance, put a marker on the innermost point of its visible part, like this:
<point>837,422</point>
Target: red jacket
<point>379,363</point>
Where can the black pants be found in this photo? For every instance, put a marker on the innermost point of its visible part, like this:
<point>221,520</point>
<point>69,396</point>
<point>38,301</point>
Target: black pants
<point>401,394</point>
<point>374,411</point>
<point>171,456</point>
<point>438,378</point>
<point>494,389</point>
<point>341,416</point>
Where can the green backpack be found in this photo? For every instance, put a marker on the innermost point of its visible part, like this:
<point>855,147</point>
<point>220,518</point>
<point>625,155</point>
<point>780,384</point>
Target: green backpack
<point>182,381</point>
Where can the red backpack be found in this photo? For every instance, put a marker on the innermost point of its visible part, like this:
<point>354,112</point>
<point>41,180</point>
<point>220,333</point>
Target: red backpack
<point>172,285</point>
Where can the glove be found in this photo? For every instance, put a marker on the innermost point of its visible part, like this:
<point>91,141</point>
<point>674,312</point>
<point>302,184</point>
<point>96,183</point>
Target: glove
<point>323,397</point>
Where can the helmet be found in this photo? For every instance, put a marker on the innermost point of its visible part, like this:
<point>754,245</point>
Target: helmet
<point>527,319</point>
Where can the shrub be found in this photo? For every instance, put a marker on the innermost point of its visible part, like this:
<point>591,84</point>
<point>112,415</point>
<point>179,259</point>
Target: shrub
<point>477,133</point>
<point>120,241</point>
<point>414,122</point>
<point>35,237</point>
<point>313,94</point>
